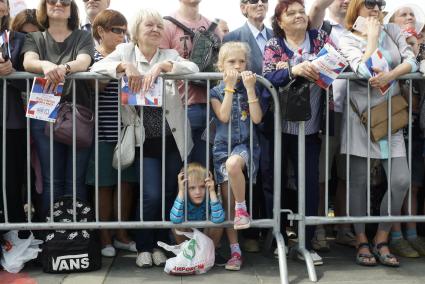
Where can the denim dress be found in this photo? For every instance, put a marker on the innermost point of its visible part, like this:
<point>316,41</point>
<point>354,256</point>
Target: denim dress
<point>240,133</point>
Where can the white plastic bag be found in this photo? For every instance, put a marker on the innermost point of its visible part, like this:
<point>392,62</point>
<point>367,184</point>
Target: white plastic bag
<point>16,251</point>
<point>193,256</point>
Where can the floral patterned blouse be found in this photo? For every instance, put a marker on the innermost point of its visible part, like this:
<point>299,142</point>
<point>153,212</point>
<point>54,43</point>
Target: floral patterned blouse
<point>277,50</point>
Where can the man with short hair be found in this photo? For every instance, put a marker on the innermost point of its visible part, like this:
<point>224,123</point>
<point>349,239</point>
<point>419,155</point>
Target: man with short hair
<point>256,35</point>
<point>175,38</point>
<point>93,8</point>
<point>334,24</point>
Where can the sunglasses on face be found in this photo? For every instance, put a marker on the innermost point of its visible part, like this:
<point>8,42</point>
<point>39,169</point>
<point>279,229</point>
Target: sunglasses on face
<point>63,2</point>
<point>370,4</point>
<point>118,31</point>
<point>256,1</point>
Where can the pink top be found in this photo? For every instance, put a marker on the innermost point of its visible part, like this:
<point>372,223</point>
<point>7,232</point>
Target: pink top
<point>174,38</point>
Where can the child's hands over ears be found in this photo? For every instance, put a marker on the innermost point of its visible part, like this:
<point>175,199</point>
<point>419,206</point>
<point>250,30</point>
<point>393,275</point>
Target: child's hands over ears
<point>209,183</point>
<point>230,78</point>
<point>181,181</point>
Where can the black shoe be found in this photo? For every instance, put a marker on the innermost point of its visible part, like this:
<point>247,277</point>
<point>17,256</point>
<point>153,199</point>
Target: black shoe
<point>220,261</point>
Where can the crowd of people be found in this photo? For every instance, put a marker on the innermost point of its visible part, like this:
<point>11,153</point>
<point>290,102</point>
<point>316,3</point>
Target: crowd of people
<point>53,40</point>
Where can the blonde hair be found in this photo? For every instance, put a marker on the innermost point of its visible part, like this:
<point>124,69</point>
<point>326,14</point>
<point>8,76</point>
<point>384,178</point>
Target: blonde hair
<point>229,47</point>
<point>196,171</point>
<point>142,15</point>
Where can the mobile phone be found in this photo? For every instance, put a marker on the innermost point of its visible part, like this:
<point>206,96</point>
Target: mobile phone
<point>360,25</point>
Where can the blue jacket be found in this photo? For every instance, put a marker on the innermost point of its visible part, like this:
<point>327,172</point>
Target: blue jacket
<point>244,34</point>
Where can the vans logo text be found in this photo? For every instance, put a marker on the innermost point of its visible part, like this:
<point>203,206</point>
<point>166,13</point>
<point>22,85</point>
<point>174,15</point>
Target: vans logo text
<point>71,262</point>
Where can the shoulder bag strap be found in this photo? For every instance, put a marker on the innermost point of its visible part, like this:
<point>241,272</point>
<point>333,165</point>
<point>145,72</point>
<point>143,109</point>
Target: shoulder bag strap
<point>180,25</point>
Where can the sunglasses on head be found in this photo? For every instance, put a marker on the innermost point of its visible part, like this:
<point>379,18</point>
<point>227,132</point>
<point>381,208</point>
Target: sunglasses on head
<point>370,4</point>
<point>63,2</point>
<point>118,31</point>
<point>256,1</point>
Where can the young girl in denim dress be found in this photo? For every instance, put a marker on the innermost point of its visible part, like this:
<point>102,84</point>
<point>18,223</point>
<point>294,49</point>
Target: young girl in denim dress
<point>235,101</point>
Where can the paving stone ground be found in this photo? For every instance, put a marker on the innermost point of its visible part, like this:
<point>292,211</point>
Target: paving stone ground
<point>261,268</point>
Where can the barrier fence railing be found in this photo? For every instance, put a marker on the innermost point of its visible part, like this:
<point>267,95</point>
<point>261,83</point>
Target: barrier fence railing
<point>163,223</point>
<point>304,220</point>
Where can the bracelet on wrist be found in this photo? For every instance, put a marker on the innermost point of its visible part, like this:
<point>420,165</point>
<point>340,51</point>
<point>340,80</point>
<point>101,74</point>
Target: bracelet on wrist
<point>253,101</point>
<point>229,90</point>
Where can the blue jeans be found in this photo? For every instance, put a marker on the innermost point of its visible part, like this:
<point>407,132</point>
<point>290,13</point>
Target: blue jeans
<point>197,115</point>
<point>152,196</point>
<point>62,167</point>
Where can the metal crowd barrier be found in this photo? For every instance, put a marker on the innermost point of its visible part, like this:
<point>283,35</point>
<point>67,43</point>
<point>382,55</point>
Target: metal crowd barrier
<point>304,220</point>
<point>273,223</point>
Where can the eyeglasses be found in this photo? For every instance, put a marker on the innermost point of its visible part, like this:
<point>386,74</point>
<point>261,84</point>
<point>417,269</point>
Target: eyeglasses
<point>370,4</point>
<point>63,2</point>
<point>85,1</point>
<point>256,1</point>
<point>118,31</point>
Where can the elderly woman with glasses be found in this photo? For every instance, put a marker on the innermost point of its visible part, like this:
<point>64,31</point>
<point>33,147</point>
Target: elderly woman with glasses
<point>61,50</point>
<point>142,61</point>
<point>358,45</point>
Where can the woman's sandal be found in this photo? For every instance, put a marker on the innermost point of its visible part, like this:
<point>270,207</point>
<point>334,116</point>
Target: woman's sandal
<point>385,259</point>
<point>365,259</point>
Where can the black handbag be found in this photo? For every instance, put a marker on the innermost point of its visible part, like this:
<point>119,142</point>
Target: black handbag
<point>294,99</point>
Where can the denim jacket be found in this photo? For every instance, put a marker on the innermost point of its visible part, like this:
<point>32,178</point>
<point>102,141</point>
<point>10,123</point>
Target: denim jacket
<point>240,117</point>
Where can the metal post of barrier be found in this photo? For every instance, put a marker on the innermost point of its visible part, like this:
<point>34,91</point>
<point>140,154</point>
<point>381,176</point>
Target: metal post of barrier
<point>74,151</point>
<point>119,174</point>
<point>186,118</point>
<point>141,164</point>
<point>389,134</point>
<point>163,154</point>
<point>347,162</point>
<point>3,162</point>
<point>29,202</point>
<point>51,170</point>
<point>96,147</point>
<point>368,149</point>
<point>410,146</point>
<point>327,156</point>
<point>250,166</point>
<point>301,203</point>
<point>207,152</point>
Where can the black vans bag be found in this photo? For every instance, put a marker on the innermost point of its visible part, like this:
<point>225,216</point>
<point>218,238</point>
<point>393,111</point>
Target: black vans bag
<point>68,251</point>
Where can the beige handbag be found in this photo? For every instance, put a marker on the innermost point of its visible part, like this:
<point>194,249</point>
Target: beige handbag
<point>379,117</point>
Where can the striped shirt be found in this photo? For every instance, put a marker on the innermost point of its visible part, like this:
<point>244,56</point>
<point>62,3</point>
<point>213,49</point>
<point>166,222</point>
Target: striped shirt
<point>196,213</point>
<point>108,109</point>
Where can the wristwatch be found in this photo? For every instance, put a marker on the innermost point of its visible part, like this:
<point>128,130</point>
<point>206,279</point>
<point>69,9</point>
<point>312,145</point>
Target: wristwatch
<point>67,68</point>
